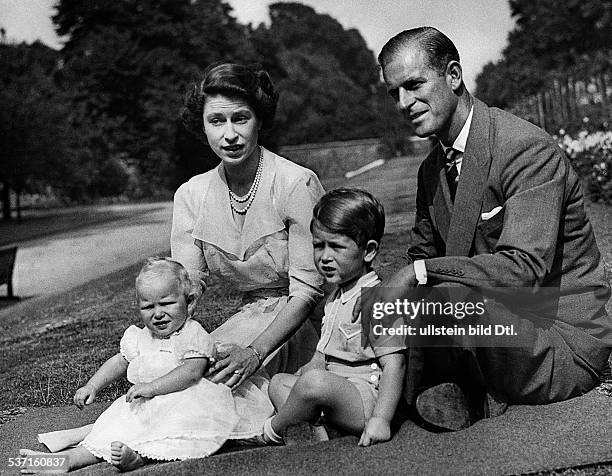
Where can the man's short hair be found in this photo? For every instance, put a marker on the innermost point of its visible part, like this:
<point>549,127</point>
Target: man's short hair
<point>439,49</point>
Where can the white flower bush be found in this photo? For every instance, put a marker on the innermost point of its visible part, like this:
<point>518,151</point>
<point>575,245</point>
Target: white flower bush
<point>591,154</point>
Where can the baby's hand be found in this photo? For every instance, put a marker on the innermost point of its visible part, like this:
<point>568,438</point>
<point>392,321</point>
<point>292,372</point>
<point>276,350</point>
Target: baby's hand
<point>376,430</point>
<point>84,396</point>
<point>140,390</point>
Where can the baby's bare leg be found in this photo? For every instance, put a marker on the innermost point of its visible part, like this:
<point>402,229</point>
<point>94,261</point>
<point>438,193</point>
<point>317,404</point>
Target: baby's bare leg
<point>125,458</point>
<point>76,458</point>
<point>321,390</point>
<point>59,440</point>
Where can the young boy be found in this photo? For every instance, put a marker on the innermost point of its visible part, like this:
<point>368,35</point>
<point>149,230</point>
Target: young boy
<point>356,388</point>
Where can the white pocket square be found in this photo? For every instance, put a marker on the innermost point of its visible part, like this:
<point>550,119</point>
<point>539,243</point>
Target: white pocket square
<point>491,214</point>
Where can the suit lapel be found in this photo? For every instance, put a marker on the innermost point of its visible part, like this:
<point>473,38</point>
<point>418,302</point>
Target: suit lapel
<point>474,172</point>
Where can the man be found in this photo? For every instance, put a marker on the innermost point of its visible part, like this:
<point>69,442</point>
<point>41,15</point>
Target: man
<point>498,206</point>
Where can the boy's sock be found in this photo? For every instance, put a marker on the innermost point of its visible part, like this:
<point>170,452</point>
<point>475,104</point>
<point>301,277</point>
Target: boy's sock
<point>270,435</point>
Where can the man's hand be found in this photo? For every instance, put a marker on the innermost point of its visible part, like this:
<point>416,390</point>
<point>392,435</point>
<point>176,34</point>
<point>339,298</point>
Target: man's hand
<point>84,396</point>
<point>376,430</point>
<point>140,390</point>
<point>389,291</point>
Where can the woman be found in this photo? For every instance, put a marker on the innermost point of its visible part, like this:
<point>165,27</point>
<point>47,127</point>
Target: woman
<point>247,222</point>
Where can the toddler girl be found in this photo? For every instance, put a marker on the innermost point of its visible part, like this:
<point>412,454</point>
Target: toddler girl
<point>170,412</point>
<point>356,388</point>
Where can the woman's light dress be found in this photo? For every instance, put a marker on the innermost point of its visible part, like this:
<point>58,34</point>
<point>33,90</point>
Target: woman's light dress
<point>269,259</point>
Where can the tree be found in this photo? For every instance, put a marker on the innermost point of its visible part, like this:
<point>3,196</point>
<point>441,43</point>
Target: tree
<point>32,121</point>
<point>128,64</point>
<point>328,78</point>
<point>551,39</point>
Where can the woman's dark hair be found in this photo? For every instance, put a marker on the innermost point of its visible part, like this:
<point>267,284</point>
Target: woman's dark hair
<point>351,212</point>
<point>250,84</point>
<point>438,47</point>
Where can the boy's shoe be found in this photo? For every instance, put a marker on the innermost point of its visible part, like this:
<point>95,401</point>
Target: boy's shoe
<point>446,407</point>
<point>268,437</point>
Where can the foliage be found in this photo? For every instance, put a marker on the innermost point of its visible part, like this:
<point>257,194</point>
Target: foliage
<point>128,64</point>
<point>328,78</point>
<point>99,117</point>
<point>591,154</point>
<point>34,136</point>
<point>551,39</point>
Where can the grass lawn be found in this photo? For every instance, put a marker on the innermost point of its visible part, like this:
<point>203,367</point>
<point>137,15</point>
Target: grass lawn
<point>51,348</point>
<point>49,351</point>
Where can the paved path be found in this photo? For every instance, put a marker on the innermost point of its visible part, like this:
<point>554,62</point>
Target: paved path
<point>122,235</point>
<point>62,261</point>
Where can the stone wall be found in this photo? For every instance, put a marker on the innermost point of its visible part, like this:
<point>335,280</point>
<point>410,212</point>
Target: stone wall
<point>334,159</point>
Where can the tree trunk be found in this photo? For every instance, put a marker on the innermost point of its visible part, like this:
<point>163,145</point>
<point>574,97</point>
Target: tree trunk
<point>5,196</point>
<point>18,204</point>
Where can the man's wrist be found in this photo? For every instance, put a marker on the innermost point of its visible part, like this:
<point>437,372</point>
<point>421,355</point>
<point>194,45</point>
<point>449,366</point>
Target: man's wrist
<point>420,272</point>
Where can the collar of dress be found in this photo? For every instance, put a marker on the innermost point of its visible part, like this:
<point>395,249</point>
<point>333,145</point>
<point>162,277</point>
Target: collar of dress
<point>215,223</point>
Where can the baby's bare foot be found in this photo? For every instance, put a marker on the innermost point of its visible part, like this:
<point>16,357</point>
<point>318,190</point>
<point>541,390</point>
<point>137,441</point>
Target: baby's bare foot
<point>31,458</point>
<point>125,458</point>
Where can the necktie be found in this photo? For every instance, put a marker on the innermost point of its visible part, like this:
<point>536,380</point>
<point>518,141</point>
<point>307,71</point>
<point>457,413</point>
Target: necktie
<point>452,173</point>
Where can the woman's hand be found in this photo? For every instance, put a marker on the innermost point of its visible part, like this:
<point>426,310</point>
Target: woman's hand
<point>140,390</point>
<point>377,430</point>
<point>234,365</point>
<point>85,396</point>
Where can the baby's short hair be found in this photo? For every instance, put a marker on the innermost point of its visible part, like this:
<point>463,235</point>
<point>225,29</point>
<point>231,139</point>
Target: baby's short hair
<point>351,212</point>
<point>159,266</point>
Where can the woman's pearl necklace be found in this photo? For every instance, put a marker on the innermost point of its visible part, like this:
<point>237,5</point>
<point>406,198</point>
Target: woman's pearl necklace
<point>250,196</point>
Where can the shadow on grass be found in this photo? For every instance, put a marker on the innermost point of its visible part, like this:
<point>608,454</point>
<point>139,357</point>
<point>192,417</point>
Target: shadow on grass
<point>6,301</point>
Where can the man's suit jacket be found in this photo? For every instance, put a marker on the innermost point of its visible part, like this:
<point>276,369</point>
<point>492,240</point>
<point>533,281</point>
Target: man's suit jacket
<point>541,237</point>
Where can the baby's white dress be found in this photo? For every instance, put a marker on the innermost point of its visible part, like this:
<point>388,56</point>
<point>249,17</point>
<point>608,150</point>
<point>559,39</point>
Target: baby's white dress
<point>191,423</point>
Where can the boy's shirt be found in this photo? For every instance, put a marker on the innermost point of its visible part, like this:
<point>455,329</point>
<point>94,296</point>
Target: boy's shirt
<point>341,338</point>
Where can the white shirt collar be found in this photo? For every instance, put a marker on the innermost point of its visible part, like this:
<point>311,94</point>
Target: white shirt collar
<point>461,140</point>
<point>365,281</point>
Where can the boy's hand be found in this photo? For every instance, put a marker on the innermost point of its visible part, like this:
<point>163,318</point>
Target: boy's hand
<point>84,396</point>
<point>140,390</point>
<point>376,430</point>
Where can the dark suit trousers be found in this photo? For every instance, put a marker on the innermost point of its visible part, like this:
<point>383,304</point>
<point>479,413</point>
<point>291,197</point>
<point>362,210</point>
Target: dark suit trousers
<point>545,368</point>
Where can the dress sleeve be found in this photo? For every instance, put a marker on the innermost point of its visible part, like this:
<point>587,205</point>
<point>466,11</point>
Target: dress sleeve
<point>129,343</point>
<point>195,342</point>
<point>304,280</point>
<point>183,246</point>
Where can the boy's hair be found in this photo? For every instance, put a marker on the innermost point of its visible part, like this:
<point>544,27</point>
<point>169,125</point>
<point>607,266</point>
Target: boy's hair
<point>351,212</point>
<point>158,267</point>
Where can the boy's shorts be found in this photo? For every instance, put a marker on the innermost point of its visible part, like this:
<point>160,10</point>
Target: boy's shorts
<point>365,376</point>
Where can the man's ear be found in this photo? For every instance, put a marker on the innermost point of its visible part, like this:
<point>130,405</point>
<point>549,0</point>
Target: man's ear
<point>371,250</point>
<point>454,74</point>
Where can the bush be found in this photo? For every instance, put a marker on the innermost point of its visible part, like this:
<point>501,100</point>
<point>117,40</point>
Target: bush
<point>591,154</point>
